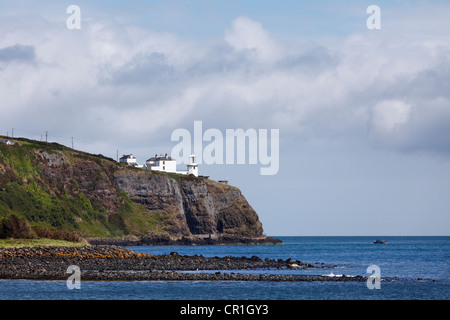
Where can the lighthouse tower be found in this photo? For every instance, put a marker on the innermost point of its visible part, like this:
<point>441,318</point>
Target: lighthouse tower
<point>192,166</point>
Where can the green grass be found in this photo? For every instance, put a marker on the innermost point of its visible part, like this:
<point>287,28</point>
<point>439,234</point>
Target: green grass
<point>19,243</point>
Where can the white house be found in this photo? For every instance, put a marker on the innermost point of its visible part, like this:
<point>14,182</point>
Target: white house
<point>129,159</point>
<point>7,142</point>
<point>161,163</point>
<point>168,164</point>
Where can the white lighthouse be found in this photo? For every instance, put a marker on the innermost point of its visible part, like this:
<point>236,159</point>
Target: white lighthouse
<point>192,166</point>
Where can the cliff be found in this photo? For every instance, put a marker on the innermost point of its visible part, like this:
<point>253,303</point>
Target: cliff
<point>59,188</point>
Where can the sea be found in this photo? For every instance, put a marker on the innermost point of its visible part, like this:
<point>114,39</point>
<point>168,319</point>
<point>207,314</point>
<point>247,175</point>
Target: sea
<point>411,268</point>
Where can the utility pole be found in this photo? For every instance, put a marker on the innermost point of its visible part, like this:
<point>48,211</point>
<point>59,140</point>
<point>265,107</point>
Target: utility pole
<point>12,134</point>
<point>72,142</point>
<point>46,136</point>
<point>117,155</point>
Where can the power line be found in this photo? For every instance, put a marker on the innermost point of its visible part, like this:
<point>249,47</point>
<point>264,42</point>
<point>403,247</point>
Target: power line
<point>67,141</point>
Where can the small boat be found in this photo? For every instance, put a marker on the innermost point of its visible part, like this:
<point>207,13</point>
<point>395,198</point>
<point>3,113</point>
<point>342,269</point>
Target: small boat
<point>380,241</point>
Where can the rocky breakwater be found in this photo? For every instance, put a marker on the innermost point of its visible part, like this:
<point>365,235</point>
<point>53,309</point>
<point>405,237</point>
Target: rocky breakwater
<point>110,263</point>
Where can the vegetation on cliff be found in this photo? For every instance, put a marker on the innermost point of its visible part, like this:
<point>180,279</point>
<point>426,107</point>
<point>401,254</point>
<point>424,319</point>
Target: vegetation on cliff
<point>50,187</point>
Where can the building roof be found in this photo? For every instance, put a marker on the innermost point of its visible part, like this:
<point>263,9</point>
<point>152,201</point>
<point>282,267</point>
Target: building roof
<point>161,157</point>
<point>127,156</point>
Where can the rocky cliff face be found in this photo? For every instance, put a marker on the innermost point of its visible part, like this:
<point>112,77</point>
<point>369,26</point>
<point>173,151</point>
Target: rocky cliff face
<point>57,187</point>
<point>195,206</point>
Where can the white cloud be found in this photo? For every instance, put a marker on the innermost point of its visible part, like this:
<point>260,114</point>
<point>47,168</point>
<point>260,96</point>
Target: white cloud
<point>120,82</point>
<point>249,35</point>
<point>388,117</point>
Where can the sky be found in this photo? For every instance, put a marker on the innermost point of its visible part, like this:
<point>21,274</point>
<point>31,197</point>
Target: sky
<point>363,114</point>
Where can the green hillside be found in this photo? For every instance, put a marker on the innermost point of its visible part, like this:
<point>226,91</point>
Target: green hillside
<point>54,198</point>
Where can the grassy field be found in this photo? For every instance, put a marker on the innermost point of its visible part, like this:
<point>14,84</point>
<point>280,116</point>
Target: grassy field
<point>19,243</point>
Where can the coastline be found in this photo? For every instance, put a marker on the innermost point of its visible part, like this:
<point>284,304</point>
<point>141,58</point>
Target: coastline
<point>111,263</point>
<point>185,241</point>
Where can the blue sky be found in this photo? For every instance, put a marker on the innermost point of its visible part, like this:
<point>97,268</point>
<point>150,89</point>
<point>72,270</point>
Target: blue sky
<point>364,115</point>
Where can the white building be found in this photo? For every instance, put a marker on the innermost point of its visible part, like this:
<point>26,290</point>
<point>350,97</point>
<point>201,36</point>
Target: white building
<point>7,142</point>
<point>192,166</point>
<point>168,164</point>
<point>129,159</point>
<point>161,163</point>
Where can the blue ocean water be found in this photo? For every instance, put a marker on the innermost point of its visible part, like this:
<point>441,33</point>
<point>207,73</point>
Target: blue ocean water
<point>421,264</point>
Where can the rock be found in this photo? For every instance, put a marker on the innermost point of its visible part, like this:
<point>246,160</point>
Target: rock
<point>193,206</point>
<point>110,263</point>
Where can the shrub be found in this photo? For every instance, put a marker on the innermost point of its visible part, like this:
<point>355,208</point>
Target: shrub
<point>57,234</point>
<point>16,227</point>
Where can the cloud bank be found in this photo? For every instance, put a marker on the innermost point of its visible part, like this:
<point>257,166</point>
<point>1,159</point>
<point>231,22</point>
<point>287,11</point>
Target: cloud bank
<point>114,83</point>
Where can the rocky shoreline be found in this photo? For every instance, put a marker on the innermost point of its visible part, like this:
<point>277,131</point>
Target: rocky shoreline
<point>111,263</point>
<point>165,240</point>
